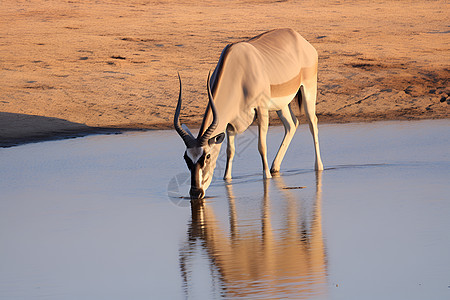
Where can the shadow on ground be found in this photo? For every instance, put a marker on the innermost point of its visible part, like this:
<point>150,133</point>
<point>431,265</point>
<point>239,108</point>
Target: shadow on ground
<point>17,129</point>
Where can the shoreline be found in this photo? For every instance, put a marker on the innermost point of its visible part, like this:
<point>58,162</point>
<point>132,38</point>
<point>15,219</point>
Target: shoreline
<point>79,67</point>
<point>71,133</point>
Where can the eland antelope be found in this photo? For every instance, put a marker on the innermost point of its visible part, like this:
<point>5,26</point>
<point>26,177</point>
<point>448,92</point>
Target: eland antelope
<point>252,77</point>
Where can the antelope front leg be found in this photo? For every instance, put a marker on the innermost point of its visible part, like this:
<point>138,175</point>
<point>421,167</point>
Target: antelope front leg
<point>263,126</point>
<point>230,155</point>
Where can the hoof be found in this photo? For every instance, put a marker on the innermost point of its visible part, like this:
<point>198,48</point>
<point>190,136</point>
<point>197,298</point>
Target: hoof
<point>227,178</point>
<point>227,175</point>
<point>274,172</point>
<point>267,175</point>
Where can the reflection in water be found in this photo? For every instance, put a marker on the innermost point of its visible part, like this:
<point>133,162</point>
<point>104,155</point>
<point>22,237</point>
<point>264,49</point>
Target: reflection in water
<point>280,253</point>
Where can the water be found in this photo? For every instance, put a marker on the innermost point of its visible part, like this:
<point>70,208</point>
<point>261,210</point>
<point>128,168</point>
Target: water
<point>103,217</point>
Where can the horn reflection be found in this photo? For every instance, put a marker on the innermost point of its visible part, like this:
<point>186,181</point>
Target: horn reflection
<point>280,253</point>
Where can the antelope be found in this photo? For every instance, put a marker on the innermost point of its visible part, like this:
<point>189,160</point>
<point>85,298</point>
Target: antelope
<point>252,77</point>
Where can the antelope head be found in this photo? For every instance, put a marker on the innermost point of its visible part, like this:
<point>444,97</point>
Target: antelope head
<point>201,152</point>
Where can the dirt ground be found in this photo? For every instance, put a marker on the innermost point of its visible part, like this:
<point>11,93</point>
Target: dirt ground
<point>71,66</point>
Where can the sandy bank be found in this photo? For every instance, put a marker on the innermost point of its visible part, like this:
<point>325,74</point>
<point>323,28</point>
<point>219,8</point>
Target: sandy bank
<point>77,66</point>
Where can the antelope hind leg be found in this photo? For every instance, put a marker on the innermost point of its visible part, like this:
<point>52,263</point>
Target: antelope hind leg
<point>290,125</point>
<point>309,94</point>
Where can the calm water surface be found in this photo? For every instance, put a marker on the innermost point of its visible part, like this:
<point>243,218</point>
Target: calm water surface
<point>103,217</point>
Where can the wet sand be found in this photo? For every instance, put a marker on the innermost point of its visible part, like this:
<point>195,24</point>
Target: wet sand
<point>69,67</point>
<point>91,218</point>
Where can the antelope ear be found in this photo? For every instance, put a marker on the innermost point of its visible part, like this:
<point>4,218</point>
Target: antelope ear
<point>217,139</point>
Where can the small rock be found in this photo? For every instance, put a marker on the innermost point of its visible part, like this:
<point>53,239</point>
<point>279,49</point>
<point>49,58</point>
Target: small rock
<point>443,99</point>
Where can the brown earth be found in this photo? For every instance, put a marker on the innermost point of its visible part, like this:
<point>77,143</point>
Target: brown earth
<point>72,66</point>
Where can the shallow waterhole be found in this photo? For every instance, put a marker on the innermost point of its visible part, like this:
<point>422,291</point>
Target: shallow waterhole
<point>105,217</point>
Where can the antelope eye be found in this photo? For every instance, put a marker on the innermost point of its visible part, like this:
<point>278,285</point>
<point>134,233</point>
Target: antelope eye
<point>208,156</point>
